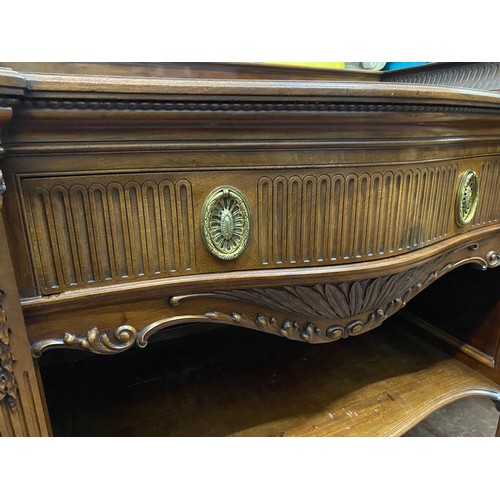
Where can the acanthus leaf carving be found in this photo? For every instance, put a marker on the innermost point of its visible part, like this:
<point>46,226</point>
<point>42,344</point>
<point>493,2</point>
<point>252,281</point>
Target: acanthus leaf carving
<point>351,307</point>
<point>95,341</point>
<point>356,306</point>
<point>342,301</point>
<point>8,385</point>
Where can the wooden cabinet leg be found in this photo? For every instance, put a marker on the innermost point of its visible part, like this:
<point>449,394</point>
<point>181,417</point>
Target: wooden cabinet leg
<point>22,407</point>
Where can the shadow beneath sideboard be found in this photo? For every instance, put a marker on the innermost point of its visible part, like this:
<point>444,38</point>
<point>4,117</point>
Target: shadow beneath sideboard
<point>221,382</point>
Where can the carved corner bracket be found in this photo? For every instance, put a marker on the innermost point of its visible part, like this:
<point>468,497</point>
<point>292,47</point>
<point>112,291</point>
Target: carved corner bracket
<point>8,385</point>
<point>94,341</point>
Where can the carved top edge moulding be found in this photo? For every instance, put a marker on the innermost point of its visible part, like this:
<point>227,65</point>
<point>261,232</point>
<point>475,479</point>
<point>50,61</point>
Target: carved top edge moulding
<point>57,89</point>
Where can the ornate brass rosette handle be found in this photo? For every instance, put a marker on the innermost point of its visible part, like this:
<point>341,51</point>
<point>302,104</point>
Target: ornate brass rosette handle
<point>225,223</point>
<point>467,198</point>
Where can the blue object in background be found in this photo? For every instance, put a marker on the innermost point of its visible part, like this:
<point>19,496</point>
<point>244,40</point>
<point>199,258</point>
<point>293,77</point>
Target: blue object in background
<point>400,65</point>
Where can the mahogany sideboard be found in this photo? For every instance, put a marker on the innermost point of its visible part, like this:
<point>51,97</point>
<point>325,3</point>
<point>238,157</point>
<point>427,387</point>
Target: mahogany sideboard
<point>311,205</point>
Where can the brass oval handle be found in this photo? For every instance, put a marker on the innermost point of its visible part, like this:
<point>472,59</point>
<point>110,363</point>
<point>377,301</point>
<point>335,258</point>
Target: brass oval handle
<point>225,223</point>
<point>467,198</point>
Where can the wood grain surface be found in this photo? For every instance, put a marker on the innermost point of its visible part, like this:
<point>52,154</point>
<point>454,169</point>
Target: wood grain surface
<point>236,382</point>
<point>466,324</point>
<point>352,186</point>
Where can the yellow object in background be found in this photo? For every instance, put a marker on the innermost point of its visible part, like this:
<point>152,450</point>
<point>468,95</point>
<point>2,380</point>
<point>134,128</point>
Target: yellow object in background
<point>324,65</point>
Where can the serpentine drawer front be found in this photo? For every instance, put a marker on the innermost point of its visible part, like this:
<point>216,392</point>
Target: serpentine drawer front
<point>98,229</point>
<point>309,209</point>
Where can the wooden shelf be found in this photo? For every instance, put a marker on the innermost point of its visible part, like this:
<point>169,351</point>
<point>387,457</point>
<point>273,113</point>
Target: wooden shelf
<point>243,383</point>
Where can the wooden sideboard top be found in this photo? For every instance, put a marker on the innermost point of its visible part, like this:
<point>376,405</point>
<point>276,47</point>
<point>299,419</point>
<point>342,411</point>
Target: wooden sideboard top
<point>342,84</point>
<point>479,75</point>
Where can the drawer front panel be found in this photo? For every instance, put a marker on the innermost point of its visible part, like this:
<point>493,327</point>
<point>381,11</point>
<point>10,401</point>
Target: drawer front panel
<point>99,229</point>
<point>488,210</point>
<point>345,217</point>
<point>97,232</point>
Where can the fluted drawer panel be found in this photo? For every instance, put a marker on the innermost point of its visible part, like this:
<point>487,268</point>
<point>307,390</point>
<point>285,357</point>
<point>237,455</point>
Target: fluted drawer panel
<point>304,219</point>
<point>488,208</point>
<point>87,232</point>
<point>92,230</point>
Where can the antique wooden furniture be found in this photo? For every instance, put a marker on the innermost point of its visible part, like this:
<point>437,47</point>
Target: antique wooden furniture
<point>238,382</point>
<point>312,209</point>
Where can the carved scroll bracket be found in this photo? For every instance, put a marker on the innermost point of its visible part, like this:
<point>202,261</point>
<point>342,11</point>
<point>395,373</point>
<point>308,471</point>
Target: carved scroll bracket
<point>95,341</point>
<point>490,260</point>
<point>268,324</point>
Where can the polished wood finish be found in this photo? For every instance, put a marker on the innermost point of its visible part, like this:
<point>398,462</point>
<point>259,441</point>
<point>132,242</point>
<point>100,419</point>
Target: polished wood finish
<point>466,323</point>
<point>352,187</point>
<point>125,229</point>
<point>22,404</point>
<point>234,382</point>
<point>194,70</point>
